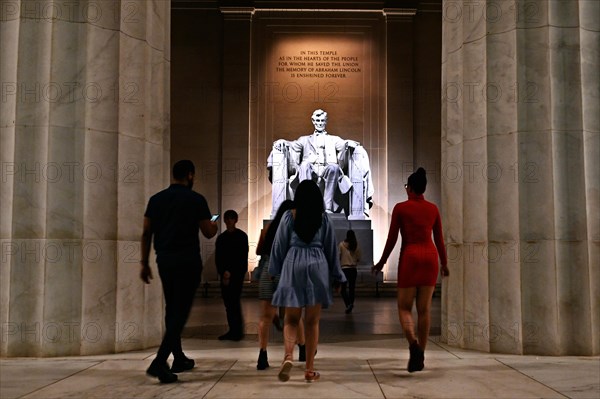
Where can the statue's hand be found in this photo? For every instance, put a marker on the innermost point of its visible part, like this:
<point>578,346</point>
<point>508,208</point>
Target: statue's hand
<point>279,144</point>
<point>352,143</point>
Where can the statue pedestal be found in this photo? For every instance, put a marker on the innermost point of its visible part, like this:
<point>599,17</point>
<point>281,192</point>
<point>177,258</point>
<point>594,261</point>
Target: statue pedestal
<point>364,236</point>
<point>363,231</point>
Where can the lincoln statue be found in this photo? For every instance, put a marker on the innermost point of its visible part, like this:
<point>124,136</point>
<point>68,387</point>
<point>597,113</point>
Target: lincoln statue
<point>338,166</point>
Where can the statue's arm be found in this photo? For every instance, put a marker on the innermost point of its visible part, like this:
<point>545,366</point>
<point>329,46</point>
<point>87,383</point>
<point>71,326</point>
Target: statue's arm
<point>352,143</point>
<point>341,144</point>
<point>280,144</point>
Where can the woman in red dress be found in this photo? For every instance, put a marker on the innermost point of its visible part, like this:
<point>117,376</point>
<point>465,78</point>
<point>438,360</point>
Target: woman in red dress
<point>416,219</point>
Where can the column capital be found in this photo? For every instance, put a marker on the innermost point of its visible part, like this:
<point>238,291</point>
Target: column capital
<point>244,13</point>
<point>399,14</point>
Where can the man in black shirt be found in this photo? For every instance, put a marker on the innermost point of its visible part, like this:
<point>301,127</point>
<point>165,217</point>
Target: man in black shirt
<point>173,217</point>
<point>231,257</point>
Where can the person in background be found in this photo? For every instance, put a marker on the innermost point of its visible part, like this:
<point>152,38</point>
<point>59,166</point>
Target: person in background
<point>173,218</point>
<point>266,287</point>
<point>231,258</point>
<point>349,258</point>
<point>305,254</point>
<point>415,219</point>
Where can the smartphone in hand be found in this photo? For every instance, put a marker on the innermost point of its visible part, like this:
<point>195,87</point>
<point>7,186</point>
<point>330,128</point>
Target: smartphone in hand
<point>215,217</point>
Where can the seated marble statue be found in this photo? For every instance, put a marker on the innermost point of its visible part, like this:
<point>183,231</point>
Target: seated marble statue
<point>338,166</point>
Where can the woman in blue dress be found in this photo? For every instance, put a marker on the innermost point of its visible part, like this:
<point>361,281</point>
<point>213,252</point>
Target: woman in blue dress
<point>305,254</point>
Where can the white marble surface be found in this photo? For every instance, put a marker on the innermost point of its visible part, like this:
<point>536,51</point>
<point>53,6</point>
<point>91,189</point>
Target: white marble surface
<point>535,64</point>
<point>91,91</point>
<point>26,376</point>
<point>360,356</point>
<point>571,376</point>
<point>349,369</point>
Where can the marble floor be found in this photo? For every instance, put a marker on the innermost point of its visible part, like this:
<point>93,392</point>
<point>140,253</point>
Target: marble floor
<point>361,355</point>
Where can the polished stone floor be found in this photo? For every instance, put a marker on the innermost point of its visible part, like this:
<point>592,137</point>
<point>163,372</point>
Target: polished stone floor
<point>371,316</point>
<point>360,356</point>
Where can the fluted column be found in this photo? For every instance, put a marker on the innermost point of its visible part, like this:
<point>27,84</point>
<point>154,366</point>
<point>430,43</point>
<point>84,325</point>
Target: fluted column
<point>85,141</point>
<point>235,168</point>
<point>400,114</point>
<point>520,172</point>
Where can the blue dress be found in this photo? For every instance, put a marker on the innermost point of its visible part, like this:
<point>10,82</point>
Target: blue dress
<point>307,270</point>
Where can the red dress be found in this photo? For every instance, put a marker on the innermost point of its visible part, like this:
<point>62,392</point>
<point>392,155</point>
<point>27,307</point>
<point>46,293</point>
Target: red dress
<point>416,219</point>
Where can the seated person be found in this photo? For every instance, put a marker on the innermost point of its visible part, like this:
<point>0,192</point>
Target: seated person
<point>319,158</point>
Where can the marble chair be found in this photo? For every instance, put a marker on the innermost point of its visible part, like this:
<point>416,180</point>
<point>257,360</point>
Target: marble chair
<point>355,188</point>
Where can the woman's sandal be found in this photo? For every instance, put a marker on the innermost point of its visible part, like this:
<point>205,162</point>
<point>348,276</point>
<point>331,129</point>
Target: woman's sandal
<point>285,369</point>
<point>311,376</point>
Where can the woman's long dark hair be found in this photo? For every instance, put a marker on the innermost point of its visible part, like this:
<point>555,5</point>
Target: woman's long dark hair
<point>270,236</point>
<point>351,240</point>
<point>309,206</point>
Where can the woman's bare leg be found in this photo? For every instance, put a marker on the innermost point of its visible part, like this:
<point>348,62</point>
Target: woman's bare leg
<point>300,337</point>
<point>290,330</point>
<point>406,297</point>
<point>424,295</point>
<point>264,324</point>
<point>312,316</point>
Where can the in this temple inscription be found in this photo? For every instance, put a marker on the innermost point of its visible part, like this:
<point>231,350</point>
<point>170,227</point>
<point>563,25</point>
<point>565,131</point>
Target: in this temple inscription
<point>318,64</point>
<point>340,167</point>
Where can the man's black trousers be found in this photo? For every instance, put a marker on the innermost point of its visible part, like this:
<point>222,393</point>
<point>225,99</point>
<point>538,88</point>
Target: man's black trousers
<point>180,281</point>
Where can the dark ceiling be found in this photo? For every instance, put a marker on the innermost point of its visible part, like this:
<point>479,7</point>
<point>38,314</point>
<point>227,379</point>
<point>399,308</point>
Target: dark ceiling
<point>297,4</point>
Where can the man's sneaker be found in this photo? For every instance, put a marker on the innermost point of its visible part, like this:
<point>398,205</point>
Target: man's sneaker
<point>162,372</point>
<point>229,336</point>
<point>183,364</point>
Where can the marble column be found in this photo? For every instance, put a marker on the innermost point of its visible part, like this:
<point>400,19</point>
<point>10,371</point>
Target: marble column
<point>400,112</point>
<point>235,168</point>
<point>84,143</point>
<point>520,176</point>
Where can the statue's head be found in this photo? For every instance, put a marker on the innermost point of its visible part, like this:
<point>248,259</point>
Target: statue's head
<point>319,120</point>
